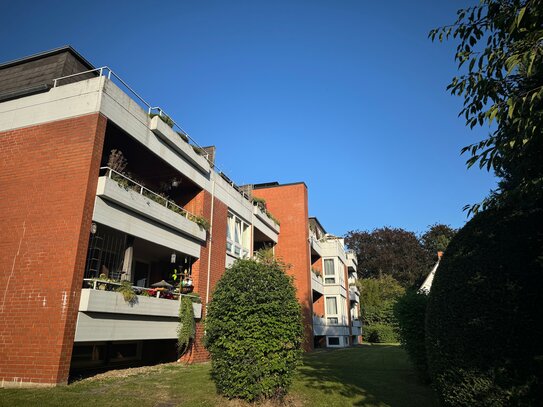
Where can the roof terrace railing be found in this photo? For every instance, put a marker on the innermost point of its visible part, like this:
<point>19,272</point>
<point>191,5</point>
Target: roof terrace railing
<point>110,74</point>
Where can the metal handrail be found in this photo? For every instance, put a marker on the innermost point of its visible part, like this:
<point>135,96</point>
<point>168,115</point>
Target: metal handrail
<point>168,204</point>
<point>97,281</point>
<point>150,108</point>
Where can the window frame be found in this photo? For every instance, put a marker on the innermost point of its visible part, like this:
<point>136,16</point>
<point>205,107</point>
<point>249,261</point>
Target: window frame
<point>238,229</point>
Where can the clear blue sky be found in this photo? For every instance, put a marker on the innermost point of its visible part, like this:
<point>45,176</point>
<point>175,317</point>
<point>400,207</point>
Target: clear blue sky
<point>348,96</point>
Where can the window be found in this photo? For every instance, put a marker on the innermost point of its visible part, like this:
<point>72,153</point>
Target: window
<point>237,236</point>
<point>333,341</point>
<point>331,311</point>
<point>329,272</point>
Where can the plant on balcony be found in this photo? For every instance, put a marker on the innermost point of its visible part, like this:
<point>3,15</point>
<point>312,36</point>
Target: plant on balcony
<point>116,161</point>
<point>200,221</point>
<point>183,136</point>
<point>127,292</point>
<point>317,272</point>
<point>166,119</point>
<point>198,150</point>
<point>260,202</point>
<point>270,215</point>
<point>186,331</point>
<point>254,330</point>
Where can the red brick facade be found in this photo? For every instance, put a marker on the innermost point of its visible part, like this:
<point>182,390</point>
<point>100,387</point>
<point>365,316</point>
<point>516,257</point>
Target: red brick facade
<point>48,177</point>
<point>288,203</point>
<point>214,249</point>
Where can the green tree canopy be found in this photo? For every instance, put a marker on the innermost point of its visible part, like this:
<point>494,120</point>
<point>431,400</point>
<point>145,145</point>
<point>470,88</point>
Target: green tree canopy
<point>436,239</point>
<point>500,54</point>
<point>390,251</point>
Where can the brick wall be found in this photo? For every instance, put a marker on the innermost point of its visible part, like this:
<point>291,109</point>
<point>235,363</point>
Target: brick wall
<point>288,203</point>
<point>48,177</point>
<point>201,204</point>
<point>318,304</point>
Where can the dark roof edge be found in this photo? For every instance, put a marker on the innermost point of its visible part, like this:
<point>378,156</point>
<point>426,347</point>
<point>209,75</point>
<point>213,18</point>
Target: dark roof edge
<point>48,53</point>
<point>320,224</point>
<point>276,185</point>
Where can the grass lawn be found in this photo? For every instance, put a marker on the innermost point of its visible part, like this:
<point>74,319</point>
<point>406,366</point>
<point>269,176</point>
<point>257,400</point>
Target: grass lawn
<point>363,376</point>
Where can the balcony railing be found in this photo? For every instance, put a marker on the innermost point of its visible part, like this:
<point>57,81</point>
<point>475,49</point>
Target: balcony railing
<point>108,285</point>
<point>111,75</point>
<point>128,183</point>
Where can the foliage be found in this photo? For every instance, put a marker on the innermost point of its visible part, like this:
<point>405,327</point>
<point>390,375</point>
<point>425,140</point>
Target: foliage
<point>410,312</point>
<point>389,251</point>
<point>380,333</point>
<point>254,330</point>
<point>259,201</point>
<point>200,221</point>
<point>436,239</point>
<point>166,119</point>
<point>183,136</point>
<point>270,215</point>
<point>116,161</point>
<point>377,299</point>
<point>501,51</point>
<point>484,332</point>
<point>127,292</point>
<point>186,331</point>
<point>198,150</point>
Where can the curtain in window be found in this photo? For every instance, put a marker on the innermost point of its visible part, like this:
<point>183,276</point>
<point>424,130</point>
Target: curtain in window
<point>329,267</point>
<point>331,305</point>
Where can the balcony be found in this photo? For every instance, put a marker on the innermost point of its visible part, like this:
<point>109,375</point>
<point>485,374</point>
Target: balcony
<point>316,283</point>
<point>316,247</point>
<point>105,316</point>
<point>322,328</point>
<point>353,295</point>
<point>352,261</point>
<point>127,193</point>
<point>261,214</point>
<point>356,327</point>
<point>182,147</point>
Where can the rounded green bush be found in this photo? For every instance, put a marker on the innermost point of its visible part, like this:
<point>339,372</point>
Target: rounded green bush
<point>484,321</point>
<point>254,331</point>
<point>410,311</point>
<point>380,333</point>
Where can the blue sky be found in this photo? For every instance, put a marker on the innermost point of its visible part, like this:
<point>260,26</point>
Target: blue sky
<point>347,96</point>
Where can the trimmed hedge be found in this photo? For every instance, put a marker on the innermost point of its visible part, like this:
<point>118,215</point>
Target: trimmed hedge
<point>484,333</point>
<point>410,311</point>
<point>380,333</point>
<point>254,331</point>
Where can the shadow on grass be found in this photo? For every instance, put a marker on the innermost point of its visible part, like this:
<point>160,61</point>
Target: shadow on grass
<point>363,376</point>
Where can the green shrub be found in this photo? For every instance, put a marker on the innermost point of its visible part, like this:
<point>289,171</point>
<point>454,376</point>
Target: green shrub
<point>410,311</point>
<point>186,331</point>
<point>380,333</point>
<point>254,330</point>
<point>484,333</point>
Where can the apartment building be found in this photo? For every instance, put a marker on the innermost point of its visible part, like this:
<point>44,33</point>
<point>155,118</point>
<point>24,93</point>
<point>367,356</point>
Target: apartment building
<point>324,272</point>
<point>98,185</point>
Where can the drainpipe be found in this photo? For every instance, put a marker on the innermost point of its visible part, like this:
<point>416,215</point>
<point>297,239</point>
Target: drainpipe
<point>210,237</point>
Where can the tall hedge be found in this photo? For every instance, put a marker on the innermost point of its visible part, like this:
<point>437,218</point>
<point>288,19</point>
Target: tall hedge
<point>485,313</point>
<point>410,311</point>
<point>254,331</point>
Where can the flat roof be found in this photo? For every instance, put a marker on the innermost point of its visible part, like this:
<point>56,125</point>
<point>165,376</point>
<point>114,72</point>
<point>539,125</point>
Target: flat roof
<point>276,184</point>
<point>65,48</point>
